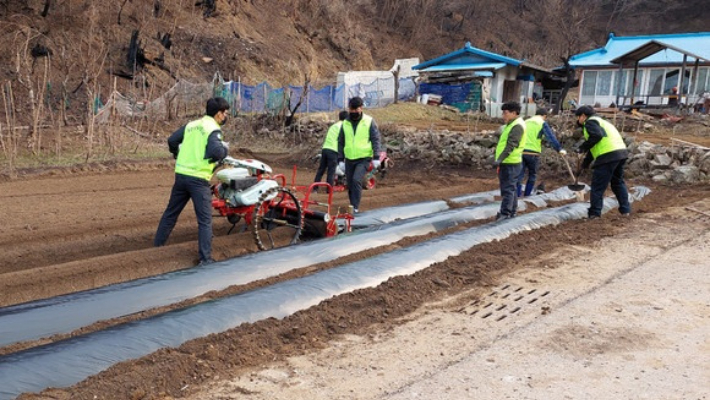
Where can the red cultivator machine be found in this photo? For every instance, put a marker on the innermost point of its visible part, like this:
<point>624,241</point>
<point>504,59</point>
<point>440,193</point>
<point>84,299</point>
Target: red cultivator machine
<point>277,216</point>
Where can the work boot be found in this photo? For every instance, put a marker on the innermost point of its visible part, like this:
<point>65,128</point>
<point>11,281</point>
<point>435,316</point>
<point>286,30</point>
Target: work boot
<point>500,217</point>
<point>528,189</point>
<point>206,262</point>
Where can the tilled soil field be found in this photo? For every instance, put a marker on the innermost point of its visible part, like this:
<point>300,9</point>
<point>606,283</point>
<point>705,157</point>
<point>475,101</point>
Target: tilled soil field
<point>67,231</point>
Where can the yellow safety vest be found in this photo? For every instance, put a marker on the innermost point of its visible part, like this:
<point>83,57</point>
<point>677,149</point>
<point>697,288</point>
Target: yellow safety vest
<point>533,133</point>
<point>357,144</point>
<point>515,156</point>
<point>191,158</point>
<point>331,138</point>
<point>612,141</point>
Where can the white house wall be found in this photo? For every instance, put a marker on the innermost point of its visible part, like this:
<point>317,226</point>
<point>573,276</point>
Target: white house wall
<point>509,73</point>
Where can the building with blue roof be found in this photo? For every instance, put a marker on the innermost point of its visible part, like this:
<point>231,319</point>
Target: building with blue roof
<point>659,64</point>
<point>493,78</point>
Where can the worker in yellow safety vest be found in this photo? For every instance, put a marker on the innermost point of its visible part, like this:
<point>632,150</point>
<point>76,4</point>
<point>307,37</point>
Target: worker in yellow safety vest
<point>358,148</point>
<point>606,153</point>
<point>536,129</point>
<point>329,153</point>
<point>508,158</point>
<point>197,148</point>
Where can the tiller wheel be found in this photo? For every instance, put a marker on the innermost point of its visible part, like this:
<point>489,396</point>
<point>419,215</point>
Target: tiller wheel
<point>277,219</point>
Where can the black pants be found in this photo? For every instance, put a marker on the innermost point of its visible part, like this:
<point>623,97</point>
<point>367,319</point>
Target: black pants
<point>531,164</point>
<point>329,161</point>
<point>603,175</point>
<point>188,188</point>
<point>355,171</point>
<point>508,179</point>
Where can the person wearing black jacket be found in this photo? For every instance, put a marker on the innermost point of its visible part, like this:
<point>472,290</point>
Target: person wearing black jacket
<point>358,147</point>
<point>606,153</point>
<point>197,148</point>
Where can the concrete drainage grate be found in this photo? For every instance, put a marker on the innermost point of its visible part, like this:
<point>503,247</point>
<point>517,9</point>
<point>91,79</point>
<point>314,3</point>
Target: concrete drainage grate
<point>504,302</point>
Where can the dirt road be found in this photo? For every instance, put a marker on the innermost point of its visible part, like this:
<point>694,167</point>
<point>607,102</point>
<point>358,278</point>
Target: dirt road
<point>69,232</point>
<point>615,319</point>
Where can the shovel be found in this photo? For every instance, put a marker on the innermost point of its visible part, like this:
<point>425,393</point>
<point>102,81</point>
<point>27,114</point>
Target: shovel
<point>576,186</point>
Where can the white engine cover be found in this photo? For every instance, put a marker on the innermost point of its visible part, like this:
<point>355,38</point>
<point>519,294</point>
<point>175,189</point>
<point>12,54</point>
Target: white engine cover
<point>256,165</point>
<point>252,165</point>
<point>229,174</point>
<point>251,195</point>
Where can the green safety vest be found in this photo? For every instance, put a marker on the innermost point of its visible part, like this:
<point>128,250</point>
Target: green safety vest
<point>191,157</point>
<point>357,144</point>
<point>612,141</point>
<point>331,138</point>
<point>533,133</point>
<point>515,156</point>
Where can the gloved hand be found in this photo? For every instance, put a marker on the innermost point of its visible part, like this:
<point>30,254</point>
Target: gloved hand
<point>341,165</point>
<point>563,152</point>
<point>496,163</point>
<point>375,164</point>
<point>579,151</point>
<point>225,145</point>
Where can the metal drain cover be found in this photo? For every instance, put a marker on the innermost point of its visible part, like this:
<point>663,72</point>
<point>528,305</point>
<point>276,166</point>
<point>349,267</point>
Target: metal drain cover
<point>503,302</point>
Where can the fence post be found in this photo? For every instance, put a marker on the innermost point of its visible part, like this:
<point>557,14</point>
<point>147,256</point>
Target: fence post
<point>395,73</point>
<point>377,91</point>
<point>266,108</point>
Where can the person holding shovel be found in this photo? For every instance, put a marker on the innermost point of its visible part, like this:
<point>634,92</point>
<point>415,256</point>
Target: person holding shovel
<point>509,158</point>
<point>535,127</point>
<point>606,152</point>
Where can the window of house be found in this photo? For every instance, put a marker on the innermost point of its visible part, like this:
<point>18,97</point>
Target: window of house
<point>630,82</point>
<point>655,81</point>
<point>604,79</point>
<point>620,82</point>
<point>589,83</point>
<point>702,85</point>
<point>671,80</point>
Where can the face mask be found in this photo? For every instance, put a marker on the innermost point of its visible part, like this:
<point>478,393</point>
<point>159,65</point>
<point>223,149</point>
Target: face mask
<point>354,116</point>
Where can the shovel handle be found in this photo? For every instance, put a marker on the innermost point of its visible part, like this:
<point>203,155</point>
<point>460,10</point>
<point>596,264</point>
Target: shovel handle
<point>569,168</point>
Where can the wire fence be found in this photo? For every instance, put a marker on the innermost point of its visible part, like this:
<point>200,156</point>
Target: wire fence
<point>188,99</point>
<point>267,99</point>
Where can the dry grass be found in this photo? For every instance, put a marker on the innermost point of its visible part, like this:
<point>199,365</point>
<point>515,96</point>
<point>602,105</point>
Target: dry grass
<point>402,113</point>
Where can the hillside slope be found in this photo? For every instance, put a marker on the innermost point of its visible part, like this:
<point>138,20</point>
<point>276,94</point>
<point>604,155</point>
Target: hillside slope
<point>285,42</point>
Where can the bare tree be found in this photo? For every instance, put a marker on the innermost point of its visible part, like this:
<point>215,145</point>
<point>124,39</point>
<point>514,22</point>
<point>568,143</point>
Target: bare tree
<point>304,95</point>
<point>571,28</point>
